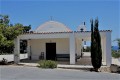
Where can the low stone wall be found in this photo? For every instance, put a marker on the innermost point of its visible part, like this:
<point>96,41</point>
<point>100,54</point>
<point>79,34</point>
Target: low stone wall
<point>10,57</point>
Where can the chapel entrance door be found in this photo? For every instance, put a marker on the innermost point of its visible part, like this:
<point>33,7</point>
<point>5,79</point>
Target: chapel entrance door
<point>51,51</point>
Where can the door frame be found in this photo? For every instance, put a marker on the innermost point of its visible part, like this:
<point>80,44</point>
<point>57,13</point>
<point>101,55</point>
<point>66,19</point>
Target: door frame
<point>55,49</point>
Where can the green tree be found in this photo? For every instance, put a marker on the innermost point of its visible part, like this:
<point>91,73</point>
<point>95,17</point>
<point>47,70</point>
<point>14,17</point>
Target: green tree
<point>92,41</point>
<point>4,19</point>
<point>8,33</point>
<point>118,41</point>
<point>96,51</point>
<point>26,28</point>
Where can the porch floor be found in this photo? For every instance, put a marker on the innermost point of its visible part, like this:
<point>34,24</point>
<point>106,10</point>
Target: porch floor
<point>85,60</point>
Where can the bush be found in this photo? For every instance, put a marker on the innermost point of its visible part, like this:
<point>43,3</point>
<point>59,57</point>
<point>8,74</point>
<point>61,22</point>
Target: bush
<point>47,64</point>
<point>3,62</point>
<point>116,54</point>
<point>88,49</point>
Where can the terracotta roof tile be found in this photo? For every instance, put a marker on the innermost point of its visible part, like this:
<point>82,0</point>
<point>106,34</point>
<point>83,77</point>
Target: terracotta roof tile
<point>65,32</point>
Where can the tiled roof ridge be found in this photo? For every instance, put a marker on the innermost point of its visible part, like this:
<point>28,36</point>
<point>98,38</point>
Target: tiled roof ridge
<point>31,32</point>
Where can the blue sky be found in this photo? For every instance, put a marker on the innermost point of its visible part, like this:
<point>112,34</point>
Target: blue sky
<point>70,12</point>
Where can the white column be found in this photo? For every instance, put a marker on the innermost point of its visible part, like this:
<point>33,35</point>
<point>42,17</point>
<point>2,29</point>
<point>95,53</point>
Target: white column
<point>108,48</point>
<point>79,42</point>
<point>28,48</point>
<point>76,46</point>
<point>72,48</point>
<point>17,50</point>
<point>103,49</point>
<point>80,46</point>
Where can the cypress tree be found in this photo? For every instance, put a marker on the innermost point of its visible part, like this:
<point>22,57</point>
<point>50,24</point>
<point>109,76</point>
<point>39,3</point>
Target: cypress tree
<point>96,51</point>
<point>92,39</point>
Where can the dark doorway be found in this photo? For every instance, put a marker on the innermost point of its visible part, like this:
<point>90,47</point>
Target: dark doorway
<point>51,51</point>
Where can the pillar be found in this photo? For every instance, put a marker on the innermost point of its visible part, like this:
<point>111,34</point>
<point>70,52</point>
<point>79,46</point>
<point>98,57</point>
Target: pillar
<point>108,48</point>
<point>28,49</point>
<point>103,49</point>
<point>17,50</point>
<point>72,48</point>
<point>78,47</point>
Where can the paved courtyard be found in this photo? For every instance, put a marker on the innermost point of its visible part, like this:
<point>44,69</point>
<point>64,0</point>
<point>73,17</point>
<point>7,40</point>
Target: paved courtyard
<point>34,73</point>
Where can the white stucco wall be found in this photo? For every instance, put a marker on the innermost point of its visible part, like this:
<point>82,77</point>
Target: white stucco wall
<point>39,45</point>
<point>78,46</point>
<point>10,57</point>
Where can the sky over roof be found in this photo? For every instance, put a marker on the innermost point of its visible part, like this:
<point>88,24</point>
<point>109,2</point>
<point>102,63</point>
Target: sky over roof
<point>69,12</point>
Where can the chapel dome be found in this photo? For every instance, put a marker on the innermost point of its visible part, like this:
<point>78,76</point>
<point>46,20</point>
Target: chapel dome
<point>52,26</point>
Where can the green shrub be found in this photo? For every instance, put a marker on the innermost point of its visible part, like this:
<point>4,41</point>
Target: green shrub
<point>47,64</point>
<point>3,62</point>
<point>116,54</point>
<point>88,49</point>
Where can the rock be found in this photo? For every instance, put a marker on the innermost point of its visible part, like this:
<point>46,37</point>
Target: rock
<point>105,69</point>
<point>114,68</point>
